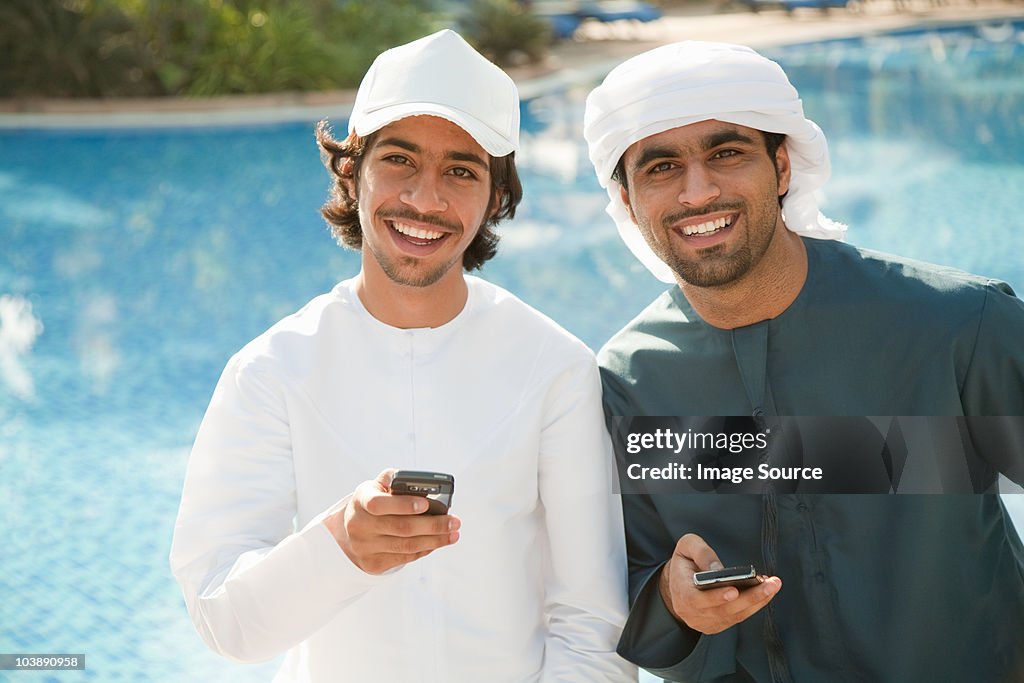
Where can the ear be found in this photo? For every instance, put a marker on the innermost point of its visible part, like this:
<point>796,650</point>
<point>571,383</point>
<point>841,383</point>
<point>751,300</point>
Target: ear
<point>624,196</point>
<point>782,168</point>
<point>348,177</point>
<point>499,194</point>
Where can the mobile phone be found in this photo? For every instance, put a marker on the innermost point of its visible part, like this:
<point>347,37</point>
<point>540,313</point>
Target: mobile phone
<point>742,577</point>
<point>436,487</point>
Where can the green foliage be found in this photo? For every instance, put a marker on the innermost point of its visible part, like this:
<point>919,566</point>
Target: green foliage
<point>362,30</point>
<point>88,48</point>
<point>67,49</point>
<point>506,31</point>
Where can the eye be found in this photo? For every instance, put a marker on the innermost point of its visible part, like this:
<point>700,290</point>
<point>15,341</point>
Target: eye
<point>462,172</point>
<point>660,167</point>
<point>396,159</point>
<point>726,153</point>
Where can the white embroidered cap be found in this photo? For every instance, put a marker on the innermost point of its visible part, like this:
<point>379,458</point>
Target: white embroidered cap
<point>440,75</point>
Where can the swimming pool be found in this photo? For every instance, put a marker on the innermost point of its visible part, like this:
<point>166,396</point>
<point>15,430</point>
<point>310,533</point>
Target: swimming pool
<point>149,256</point>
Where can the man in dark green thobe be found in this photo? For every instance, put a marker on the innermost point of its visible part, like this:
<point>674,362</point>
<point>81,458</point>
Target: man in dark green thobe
<point>711,169</point>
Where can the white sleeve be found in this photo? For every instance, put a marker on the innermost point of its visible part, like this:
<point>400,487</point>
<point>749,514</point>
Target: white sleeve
<point>254,586</point>
<point>586,586</point>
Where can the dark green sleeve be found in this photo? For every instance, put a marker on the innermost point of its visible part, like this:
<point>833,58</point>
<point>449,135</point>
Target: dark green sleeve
<point>994,383</point>
<point>652,638</point>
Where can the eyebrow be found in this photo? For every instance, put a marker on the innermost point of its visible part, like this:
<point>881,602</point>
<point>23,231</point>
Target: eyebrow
<point>726,136</point>
<point>650,154</point>
<point>708,142</point>
<point>453,155</point>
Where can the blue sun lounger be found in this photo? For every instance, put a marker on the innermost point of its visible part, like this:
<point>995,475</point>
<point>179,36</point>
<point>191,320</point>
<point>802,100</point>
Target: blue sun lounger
<point>618,10</point>
<point>565,17</point>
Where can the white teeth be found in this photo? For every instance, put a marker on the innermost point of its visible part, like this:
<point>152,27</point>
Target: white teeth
<point>417,232</point>
<point>709,226</point>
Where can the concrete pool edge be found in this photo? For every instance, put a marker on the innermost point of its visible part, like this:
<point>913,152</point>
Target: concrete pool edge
<point>570,64</point>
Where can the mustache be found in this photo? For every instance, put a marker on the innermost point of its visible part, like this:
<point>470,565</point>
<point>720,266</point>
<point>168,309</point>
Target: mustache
<point>408,214</point>
<point>671,219</point>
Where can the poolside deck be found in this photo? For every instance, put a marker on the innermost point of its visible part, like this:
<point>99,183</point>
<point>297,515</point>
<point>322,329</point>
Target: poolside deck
<point>599,47</point>
<point>595,49</point>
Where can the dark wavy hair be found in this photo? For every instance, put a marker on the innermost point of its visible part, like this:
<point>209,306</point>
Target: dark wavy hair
<point>342,213</point>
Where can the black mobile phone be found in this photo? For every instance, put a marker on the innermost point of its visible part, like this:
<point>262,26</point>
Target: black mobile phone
<point>436,487</point>
<point>742,577</point>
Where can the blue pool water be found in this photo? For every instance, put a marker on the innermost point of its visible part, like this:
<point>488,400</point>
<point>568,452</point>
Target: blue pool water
<point>134,262</point>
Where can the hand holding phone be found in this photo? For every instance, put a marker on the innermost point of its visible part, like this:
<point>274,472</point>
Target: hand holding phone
<point>436,487</point>
<point>380,531</point>
<point>711,611</point>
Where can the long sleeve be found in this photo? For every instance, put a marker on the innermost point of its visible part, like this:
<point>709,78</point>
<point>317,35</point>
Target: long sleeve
<point>254,586</point>
<point>993,387</point>
<point>586,585</point>
<point>652,638</point>
<point>994,382</point>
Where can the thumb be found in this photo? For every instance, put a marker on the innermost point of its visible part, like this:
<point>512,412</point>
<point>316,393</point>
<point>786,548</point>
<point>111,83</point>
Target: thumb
<point>696,549</point>
<point>385,478</point>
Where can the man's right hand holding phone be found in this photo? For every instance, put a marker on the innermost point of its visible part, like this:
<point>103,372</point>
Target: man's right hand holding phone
<point>708,611</point>
<point>379,531</point>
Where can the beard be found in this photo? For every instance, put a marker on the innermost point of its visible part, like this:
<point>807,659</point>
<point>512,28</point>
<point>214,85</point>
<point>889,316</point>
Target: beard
<point>712,269</point>
<point>715,266</point>
<point>409,270</point>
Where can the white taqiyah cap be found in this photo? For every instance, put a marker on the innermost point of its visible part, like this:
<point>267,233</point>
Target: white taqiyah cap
<point>440,75</point>
<point>683,83</point>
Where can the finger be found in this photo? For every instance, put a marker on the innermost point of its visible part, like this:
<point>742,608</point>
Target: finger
<point>696,549</point>
<point>370,490</point>
<point>417,525</point>
<point>385,561</point>
<point>364,527</point>
<point>763,598</point>
<point>741,604</point>
<point>381,503</point>
<point>413,545</point>
<point>405,545</point>
<point>386,477</point>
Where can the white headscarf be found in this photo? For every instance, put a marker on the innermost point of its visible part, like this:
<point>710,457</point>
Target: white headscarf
<point>683,83</point>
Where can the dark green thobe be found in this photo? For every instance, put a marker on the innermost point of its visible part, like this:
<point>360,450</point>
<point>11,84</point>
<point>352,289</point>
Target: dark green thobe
<point>901,588</point>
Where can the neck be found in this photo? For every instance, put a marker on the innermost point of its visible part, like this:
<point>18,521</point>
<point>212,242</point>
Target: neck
<point>409,307</point>
<point>763,293</point>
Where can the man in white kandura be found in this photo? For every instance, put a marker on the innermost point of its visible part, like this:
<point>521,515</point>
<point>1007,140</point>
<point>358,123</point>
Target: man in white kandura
<point>289,538</point>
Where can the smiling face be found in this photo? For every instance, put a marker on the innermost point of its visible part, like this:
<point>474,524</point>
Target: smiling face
<point>706,198</point>
<point>423,191</point>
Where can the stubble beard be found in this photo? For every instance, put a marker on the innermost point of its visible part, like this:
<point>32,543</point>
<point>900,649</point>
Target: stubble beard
<point>409,270</point>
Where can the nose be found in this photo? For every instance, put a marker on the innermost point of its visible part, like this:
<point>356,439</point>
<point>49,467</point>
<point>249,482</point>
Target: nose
<point>424,194</point>
<point>699,187</point>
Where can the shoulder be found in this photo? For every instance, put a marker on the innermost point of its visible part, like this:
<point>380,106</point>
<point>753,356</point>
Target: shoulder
<point>850,274</point>
<point>647,351</point>
<point>299,336</point>
<point>511,322</point>
<point>899,275</point>
<point>658,328</point>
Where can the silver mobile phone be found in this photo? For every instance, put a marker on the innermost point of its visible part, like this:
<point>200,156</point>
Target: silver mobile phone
<point>436,487</point>
<point>742,577</point>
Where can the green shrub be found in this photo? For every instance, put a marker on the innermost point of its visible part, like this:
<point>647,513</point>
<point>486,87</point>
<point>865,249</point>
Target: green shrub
<point>71,49</point>
<point>506,31</point>
<point>90,48</point>
<point>362,30</point>
<point>207,47</point>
